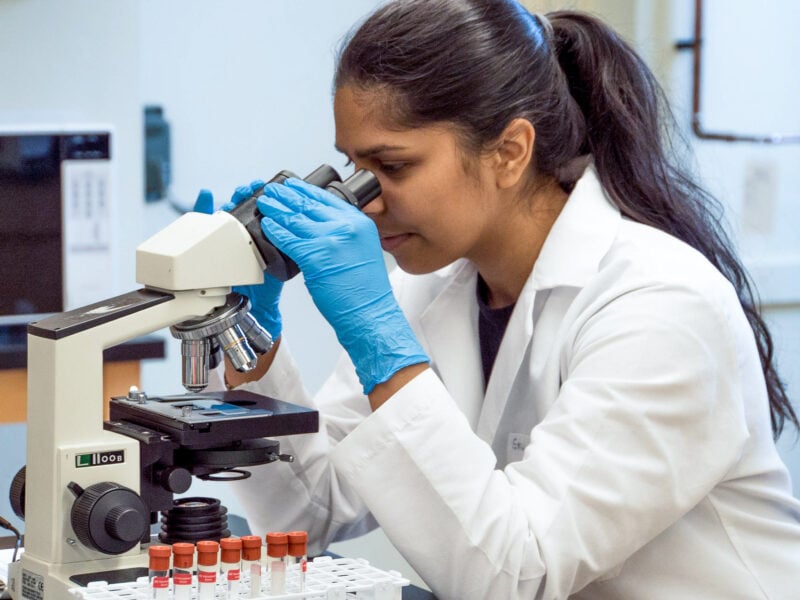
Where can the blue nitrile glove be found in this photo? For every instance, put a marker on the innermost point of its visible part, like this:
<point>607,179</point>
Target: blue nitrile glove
<point>263,297</point>
<point>338,250</point>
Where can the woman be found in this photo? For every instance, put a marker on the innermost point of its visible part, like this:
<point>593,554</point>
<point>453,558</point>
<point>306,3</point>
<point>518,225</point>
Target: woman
<point>569,393</point>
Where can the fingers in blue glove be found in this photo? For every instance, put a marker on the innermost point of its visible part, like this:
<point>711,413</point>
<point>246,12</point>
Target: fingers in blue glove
<point>303,211</point>
<point>300,196</point>
<point>205,202</point>
<point>242,193</point>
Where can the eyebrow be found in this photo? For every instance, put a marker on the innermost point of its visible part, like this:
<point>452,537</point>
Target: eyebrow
<point>373,150</point>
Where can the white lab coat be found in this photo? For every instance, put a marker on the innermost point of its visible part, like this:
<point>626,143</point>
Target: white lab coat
<point>622,448</point>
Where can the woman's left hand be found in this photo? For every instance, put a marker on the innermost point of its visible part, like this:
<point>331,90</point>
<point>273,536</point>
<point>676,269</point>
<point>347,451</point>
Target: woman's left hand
<point>337,248</point>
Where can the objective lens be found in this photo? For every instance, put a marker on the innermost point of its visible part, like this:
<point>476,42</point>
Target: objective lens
<point>260,340</point>
<point>236,347</point>
<point>195,354</point>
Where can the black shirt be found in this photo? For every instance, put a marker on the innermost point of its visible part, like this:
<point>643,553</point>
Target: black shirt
<point>492,323</point>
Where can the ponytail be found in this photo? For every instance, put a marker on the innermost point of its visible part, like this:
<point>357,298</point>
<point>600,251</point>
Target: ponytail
<point>627,125</point>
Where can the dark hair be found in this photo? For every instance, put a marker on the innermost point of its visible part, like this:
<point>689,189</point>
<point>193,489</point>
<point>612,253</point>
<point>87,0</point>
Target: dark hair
<point>478,64</point>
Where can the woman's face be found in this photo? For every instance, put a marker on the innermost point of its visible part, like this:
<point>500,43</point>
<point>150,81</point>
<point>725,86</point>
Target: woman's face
<point>431,210</point>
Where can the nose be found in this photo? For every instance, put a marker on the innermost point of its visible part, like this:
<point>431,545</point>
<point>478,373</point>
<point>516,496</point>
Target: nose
<point>374,207</point>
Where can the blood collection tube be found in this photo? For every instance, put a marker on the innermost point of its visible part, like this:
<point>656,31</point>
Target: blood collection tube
<point>207,567</point>
<point>182,563</point>
<point>251,562</point>
<point>277,549</point>
<point>298,542</point>
<point>158,572</point>
<point>231,565</point>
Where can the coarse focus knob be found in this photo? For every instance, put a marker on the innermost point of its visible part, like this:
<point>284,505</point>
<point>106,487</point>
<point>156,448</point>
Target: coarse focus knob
<point>108,517</point>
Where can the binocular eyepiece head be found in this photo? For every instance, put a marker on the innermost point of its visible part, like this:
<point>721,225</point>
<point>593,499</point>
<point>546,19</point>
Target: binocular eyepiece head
<point>359,189</point>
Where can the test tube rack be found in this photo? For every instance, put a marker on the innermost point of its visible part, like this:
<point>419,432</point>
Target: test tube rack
<point>326,579</point>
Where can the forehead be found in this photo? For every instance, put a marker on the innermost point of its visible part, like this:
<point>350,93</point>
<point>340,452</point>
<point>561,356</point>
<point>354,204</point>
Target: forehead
<point>358,109</point>
<point>366,118</point>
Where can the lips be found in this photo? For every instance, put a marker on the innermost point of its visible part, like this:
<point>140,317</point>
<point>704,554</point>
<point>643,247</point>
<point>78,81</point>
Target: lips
<point>390,243</point>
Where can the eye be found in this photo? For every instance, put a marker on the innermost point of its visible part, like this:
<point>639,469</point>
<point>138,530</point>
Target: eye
<point>393,168</point>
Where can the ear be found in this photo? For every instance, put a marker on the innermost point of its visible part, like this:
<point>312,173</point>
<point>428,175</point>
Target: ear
<point>514,152</point>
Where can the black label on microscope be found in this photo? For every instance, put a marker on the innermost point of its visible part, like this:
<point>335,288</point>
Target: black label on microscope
<point>98,459</point>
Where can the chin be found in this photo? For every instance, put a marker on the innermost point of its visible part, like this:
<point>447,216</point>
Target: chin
<point>419,266</point>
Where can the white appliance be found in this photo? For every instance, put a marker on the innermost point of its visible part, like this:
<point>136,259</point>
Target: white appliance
<point>56,218</point>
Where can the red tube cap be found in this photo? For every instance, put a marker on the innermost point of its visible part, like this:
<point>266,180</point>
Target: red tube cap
<point>159,557</point>
<point>277,544</point>
<point>183,555</point>
<point>251,547</point>
<point>298,542</point>
<point>207,551</point>
<point>231,550</point>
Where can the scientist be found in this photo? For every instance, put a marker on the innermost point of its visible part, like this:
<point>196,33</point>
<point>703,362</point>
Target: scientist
<point>567,390</point>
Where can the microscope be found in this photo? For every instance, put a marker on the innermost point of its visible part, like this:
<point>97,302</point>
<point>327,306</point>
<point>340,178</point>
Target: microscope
<point>91,490</point>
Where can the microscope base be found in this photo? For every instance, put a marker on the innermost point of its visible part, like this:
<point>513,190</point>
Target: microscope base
<point>32,579</point>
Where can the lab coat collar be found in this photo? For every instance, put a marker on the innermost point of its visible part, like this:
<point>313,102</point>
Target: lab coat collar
<point>579,238</point>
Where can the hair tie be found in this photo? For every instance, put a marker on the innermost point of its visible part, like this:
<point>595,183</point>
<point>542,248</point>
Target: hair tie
<point>534,23</point>
<point>546,25</point>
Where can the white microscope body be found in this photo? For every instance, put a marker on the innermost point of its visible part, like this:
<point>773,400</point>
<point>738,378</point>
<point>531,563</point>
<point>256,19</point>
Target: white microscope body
<point>187,270</point>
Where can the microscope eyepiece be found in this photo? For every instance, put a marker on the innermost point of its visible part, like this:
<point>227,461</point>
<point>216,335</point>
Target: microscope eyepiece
<point>359,189</point>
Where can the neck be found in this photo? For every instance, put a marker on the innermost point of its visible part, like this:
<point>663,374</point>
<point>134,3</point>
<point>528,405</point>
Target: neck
<point>515,241</point>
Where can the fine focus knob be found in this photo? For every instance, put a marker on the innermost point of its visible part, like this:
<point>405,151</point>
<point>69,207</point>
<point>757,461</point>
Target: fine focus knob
<point>124,523</point>
<point>109,517</point>
<point>16,495</point>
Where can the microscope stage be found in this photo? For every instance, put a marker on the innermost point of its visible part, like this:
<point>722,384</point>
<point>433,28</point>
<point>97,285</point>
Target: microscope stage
<point>212,419</point>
